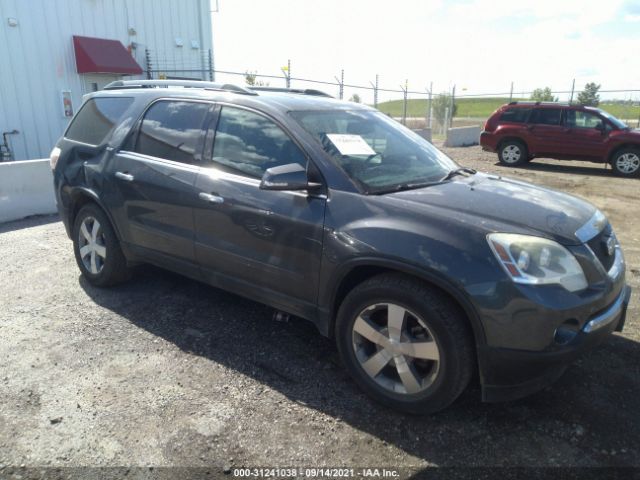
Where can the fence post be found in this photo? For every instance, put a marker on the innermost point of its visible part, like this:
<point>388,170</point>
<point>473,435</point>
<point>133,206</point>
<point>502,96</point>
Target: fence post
<point>147,57</point>
<point>340,83</point>
<point>452,108</point>
<point>573,86</point>
<point>404,103</point>
<point>211,72</point>
<point>430,106</point>
<point>445,124</point>
<point>375,92</point>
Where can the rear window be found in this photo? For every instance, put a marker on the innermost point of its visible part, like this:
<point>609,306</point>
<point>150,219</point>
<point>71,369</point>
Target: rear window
<point>515,115</point>
<point>173,130</point>
<point>96,118</point>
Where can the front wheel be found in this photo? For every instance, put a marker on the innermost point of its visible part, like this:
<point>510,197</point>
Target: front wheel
<point>513,153</point>
<point>626,162</point>
<point>405,344</point>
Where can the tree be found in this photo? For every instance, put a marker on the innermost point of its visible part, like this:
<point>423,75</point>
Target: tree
<point>543,95</point>
<point>589,96</point>
<point>355,98</point>
<point>440,104</point>
<point>251,79</point>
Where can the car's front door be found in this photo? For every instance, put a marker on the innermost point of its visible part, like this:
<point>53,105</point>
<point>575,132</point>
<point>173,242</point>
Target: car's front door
<point>153,180</point>
<point>264,243</point>
<point>545,132</point>
<point>586,134</point>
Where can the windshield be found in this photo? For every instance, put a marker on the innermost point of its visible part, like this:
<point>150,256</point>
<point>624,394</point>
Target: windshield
<point>617,122</point>
<point>377,152</point>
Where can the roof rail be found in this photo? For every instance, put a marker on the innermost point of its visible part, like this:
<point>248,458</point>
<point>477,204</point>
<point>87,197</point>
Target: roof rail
<point>532,102</point>
<point>223,87</point>
<point>299,91</point>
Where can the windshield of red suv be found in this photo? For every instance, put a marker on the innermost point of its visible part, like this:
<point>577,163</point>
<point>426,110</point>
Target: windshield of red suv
<point>617,122</point>
<point>377,152</point>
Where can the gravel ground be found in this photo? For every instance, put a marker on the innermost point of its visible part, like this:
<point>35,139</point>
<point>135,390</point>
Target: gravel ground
<point>165,371</point>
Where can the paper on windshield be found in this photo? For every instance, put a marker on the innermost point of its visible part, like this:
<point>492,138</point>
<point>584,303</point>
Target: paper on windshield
<point>350,144</point>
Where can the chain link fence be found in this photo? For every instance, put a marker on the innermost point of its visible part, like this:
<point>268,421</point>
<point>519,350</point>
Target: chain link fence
<point>437,109</point>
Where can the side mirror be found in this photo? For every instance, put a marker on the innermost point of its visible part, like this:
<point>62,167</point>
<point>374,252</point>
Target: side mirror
<point>287,177</point>
<point>600,127</point>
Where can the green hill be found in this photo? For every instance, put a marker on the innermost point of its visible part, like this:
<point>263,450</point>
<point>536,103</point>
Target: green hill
<point>483,107</point>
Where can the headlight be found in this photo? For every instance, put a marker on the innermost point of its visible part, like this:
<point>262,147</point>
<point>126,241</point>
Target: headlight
<point>537,261</point>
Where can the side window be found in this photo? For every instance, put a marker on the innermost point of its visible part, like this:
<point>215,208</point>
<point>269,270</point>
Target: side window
<point>546,116</point>
<point>579,119</point>
<point>173,130</point>
<point>96,118</point>
<point>247,143</point>
<point>515,115</point>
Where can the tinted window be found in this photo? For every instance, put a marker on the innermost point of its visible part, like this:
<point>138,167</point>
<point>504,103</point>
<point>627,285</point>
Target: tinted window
<point>96,118</point>
<point>248,144</point>
<point>515,115</point>
<point>173,130</point>
<point>546,116</point>
<point>578,119</point>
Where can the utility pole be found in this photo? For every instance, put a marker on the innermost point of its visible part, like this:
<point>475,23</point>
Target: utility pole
<point>430,106</point>
<point>573,87</point>
<point>375,92</point>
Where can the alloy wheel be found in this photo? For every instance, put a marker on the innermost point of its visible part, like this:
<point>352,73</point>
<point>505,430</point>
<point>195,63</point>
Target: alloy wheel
<point>511,153</point>
<point>628,163</point>
<point>91,244</point>
<point>396,349</point>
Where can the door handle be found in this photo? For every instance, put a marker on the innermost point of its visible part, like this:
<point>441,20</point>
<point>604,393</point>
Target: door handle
<point>124,176</point>
<point>208,197</point>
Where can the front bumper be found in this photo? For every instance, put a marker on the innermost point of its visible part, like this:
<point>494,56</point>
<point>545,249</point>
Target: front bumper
<point>512,374</point>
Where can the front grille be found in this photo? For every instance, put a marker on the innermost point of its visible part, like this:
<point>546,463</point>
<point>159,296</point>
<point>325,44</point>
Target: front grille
<point>599,246</point>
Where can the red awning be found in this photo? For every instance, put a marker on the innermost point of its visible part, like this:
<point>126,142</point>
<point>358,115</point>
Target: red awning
<point>99,55</point>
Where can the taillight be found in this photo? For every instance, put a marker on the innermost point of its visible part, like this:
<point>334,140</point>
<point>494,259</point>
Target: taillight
<point>53,157</point>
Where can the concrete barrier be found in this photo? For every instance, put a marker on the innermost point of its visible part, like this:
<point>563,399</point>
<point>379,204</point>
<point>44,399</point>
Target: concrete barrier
<point>462,136</point>
<point>26,188</point>
<point>424,133</point>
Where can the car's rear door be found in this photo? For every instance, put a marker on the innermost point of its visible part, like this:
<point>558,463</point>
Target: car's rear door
<point>154,181</point>
<point>586,134</point>
<point>266,244</point>
<point>546,135</point>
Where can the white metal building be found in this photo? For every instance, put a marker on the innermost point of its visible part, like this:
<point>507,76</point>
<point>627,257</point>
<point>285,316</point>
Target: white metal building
<point>52,52</point>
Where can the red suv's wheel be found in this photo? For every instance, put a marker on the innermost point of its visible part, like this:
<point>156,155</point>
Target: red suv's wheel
<point>513,153</point>
<point>626,162</point>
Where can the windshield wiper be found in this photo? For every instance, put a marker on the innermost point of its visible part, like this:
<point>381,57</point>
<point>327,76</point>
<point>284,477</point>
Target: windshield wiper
<point>458,171</point>
<point>403,187</point>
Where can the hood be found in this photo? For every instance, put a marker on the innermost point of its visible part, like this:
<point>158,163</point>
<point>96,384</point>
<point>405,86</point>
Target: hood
<point>501,204</point>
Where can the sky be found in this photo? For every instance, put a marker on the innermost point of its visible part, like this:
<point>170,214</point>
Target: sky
<point>479,46</point>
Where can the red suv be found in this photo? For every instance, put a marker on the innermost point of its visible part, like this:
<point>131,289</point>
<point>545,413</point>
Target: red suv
<point>522,131</point>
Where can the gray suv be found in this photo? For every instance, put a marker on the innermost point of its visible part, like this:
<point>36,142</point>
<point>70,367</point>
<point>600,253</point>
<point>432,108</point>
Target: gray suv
<point>424,272</point>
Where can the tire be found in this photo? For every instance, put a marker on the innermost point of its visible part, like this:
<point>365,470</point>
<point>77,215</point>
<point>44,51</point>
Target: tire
<point>97,249</point>
<point>513,153</point>
<point>626,162</point>
<point>413,379</point>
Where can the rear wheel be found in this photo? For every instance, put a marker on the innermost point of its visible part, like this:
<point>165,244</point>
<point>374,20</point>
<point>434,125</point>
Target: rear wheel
<point>405,344</point>
<point>626,162</point>
<point>97,248</point>
<point>513,153</point>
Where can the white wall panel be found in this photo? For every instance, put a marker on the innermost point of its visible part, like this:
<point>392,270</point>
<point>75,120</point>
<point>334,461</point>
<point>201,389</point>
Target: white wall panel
<point>38,62</point>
